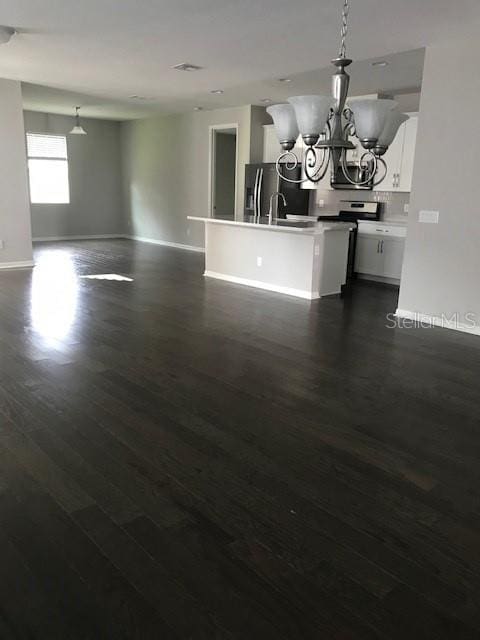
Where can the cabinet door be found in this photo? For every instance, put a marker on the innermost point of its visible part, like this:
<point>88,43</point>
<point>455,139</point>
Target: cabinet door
<point>393,158</point>
<point>378,256</point>
<point>271,148</point>
<point>354,155</point>
<point>408,156</point>
<point>391,252</point>
<point>368,259</point>
<point>324,183</point>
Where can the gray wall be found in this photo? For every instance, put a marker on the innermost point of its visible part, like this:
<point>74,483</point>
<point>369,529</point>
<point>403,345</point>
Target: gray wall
<point>15,231</point>
<point>166,172</point>
<point>442,261</point>
<point>96,206</point>
<point>225,158</point>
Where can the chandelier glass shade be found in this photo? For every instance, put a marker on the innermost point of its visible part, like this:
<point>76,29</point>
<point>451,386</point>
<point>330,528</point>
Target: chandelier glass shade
<point>370,117</point>
<point>286,125</point>
<point>327,122</point>
<point>311,113</point>
<point>394,120</point>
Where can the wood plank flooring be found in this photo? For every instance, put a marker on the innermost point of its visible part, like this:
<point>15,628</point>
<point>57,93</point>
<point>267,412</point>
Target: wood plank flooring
<point>184,458</point>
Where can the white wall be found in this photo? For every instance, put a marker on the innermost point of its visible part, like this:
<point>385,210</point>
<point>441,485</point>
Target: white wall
<point>165,171</point>
<point>15,231</point>
<point>94,164</point>
<point>441,272</point>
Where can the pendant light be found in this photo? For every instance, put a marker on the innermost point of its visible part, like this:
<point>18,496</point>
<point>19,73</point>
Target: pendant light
<point>78,129</point>
<point>327,123</point>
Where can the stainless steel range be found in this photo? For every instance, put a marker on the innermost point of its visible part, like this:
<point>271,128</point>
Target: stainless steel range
<point>353,211</point>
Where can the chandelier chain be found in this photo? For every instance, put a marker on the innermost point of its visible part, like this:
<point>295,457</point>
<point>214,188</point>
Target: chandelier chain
<point>344,30</point>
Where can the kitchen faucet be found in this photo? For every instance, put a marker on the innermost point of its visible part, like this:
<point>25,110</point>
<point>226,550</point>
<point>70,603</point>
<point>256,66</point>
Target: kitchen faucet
<point>270,210</point>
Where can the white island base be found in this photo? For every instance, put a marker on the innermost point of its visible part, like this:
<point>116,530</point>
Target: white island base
<point>303,262</point>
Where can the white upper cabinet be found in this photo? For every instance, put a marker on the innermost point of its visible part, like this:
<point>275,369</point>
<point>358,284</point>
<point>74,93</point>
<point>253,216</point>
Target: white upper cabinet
<point>272,148</point>
<point>400,157</point>
<point>393,159</point>
<point>324,183</point>
<point>354,155</point>
<point>408,156</point>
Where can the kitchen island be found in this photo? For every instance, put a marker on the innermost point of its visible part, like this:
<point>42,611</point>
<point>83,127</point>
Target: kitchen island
<point>307,262</point>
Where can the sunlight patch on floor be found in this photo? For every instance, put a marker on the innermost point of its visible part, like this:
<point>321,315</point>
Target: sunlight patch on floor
<point>108,276</point>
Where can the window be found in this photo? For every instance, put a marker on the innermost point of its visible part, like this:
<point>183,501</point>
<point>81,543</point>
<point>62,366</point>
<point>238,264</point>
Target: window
<point>48,169</point>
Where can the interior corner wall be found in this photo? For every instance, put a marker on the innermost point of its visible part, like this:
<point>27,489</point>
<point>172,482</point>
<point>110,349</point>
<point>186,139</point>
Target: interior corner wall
<point>166,172</point>
<point>94,167</point>
<point>442,261</point>
<point>15,230</point>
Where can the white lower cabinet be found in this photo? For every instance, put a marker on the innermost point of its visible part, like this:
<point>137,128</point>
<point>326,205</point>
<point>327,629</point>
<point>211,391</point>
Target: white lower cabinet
<point>379,251</point>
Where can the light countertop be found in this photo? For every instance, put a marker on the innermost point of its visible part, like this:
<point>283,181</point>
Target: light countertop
<point>389,223</point>
<point>316,229</point>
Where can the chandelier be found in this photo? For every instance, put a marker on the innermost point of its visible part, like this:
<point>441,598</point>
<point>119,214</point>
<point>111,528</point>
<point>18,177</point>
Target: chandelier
<point>326,125</point>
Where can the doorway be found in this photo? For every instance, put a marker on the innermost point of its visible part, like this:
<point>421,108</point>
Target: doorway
<point>223,171</point>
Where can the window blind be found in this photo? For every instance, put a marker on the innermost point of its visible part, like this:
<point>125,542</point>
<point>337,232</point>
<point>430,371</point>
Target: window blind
<point>40,145</point>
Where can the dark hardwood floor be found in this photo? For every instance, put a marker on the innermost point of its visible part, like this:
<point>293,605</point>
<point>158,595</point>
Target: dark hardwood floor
<point>183,458</point>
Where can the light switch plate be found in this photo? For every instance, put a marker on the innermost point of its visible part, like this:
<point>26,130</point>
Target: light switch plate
<point>429,217</point>
<point>406,207</point>
<point>2,244</point>
<point>321,203</point>
<point>259,261</point>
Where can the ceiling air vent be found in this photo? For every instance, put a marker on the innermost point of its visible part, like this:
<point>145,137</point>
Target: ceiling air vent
<point>186,66</point>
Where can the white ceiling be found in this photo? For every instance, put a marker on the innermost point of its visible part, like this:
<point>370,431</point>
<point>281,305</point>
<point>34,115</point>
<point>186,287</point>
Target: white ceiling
<point>108,50</point>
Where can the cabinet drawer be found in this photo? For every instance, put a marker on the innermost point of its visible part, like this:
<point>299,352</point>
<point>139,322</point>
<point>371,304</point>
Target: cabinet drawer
<point>382,229</point>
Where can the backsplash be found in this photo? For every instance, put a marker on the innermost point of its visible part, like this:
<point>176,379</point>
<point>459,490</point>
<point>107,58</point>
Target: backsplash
<point>393,203</point>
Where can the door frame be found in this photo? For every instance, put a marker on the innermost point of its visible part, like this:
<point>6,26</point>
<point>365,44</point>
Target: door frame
<point>211,164</point>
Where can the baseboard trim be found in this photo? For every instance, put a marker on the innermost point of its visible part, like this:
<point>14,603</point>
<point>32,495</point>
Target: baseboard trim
<point>166,243</point>
<point>438,321</point>
<point>258,284</point>
<point>395,282</point>
<point>25,264</point>
<point>106,236</point>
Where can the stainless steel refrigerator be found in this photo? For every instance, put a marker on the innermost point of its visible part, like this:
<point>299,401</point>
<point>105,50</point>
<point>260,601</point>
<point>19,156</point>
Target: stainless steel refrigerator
<point>262,180</point>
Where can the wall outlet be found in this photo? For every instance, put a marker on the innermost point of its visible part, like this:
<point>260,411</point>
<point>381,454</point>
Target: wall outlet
<point>406,207</point>
<point>428,217</point>
<point>317,249</point>
<point>2,245</point>
<point>259,261</point>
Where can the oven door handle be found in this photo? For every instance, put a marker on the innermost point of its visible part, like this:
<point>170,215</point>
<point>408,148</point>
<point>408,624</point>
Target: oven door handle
<point>259,194</point>
<point>255,195</point>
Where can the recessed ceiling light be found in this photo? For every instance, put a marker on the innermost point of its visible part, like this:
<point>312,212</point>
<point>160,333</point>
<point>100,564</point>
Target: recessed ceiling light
<point>265,100</point>
<point>135,97</point>
<point>187,66</point>
<point>380,63</point>
<point>217,91</point>
<point>284,79</point>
